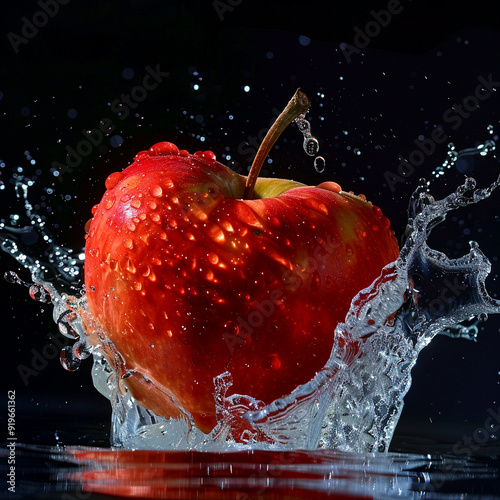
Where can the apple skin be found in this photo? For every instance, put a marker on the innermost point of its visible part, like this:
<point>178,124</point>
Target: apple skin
<point>188,280</point>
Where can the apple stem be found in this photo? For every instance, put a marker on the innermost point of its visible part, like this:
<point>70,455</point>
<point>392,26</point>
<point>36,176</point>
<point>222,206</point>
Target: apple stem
<point>299,104</point>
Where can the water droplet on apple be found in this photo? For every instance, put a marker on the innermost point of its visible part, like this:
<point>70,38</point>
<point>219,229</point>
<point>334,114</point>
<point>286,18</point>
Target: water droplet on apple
<point>377,211</point>
<point>244,296</point>
<point>319,164</point>
<point>113,179</point>
<point>163,149</point>
<point>231,328</point>
<point>386,223</point>
<point>209,155</point>
<point>316,281</point>
<point>212,191</point>
<point>213,258</point>
<point>156,191</point>
<point>126,265</point>
<point>141,155</point>
<point>144,270</point>
<point>330,186</point>
<point>271,363</point>
<point>156,218</point>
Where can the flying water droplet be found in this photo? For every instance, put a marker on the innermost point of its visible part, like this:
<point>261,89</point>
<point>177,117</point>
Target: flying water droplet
<point>311,146</point>
<point>69,360</point>
<point>454,156</point>
<point>13,278</point>
<point>482,317</point>
<point>319,164</point>
<point>37,292</point>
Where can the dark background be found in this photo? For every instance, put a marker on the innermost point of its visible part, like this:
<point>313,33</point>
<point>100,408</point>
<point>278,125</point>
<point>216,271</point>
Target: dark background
<point>393,91</point>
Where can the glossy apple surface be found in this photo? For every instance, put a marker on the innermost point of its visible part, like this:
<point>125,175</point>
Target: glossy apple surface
<point>188,280</point>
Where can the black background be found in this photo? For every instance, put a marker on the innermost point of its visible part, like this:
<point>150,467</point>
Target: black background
<point>397,88</point>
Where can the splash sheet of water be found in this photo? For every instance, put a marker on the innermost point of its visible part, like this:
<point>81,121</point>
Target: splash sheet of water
<point>353,404</point>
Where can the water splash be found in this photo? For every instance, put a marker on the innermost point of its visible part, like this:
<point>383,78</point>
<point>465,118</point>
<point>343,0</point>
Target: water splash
<point>455,156</point>
<point>34,247</point>
<point>354,403</point>
<point>53,269</point>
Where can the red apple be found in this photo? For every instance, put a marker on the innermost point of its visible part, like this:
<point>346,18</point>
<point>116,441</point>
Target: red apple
<point>190,271</point>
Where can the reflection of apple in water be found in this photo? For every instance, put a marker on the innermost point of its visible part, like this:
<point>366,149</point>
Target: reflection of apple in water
<point>192,270</point>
